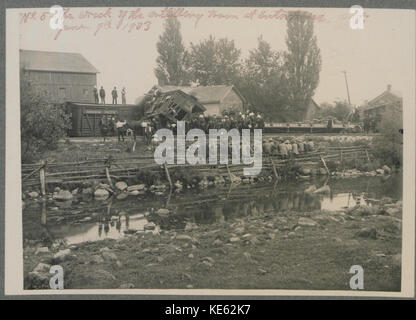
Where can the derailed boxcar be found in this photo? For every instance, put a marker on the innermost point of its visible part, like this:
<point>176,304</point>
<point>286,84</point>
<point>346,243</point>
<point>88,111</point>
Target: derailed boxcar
<point>86,116</point>
<point>173,106</point>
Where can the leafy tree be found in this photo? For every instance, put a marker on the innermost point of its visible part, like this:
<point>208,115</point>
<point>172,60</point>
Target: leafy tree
<point>41,124</point>
<point>339,110</point>
<point>203,61</point>
<point>173,60</point>
<point>261,80</point>
<point>214,62</point>
<point>388,146</point>
<point>302,61</point>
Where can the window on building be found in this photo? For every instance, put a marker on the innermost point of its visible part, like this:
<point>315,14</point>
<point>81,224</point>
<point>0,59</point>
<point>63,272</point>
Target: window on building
<point>62,93</point>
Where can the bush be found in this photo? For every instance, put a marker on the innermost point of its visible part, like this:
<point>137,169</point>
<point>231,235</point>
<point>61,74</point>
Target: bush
<point>187,176</point>
<point>388,147</point>
<point>333,165</point>
<point>290,169</point>
<point>148,177</point>
<point>41,124</point>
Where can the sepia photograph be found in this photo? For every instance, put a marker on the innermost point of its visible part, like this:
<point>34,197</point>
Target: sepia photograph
<point>208,149</point>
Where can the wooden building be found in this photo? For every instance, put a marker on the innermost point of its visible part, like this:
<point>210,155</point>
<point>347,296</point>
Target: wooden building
<point>215,99</point>
<point>311,110</point>
<point>61,76</point>
<point>86,116</point>
<point>387,100</point>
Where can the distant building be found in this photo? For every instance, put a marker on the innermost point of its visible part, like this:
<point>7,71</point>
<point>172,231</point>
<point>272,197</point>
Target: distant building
<point>311,110</point>
<point>215,99</point>
<point>62,76</point>
<point>388,100</point>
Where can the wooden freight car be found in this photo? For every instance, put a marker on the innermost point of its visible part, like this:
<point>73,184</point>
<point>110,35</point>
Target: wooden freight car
<point>86,116</point>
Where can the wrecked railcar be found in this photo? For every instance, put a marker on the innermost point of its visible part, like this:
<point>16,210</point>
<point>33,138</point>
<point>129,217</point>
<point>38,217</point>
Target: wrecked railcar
<point>170,107</point>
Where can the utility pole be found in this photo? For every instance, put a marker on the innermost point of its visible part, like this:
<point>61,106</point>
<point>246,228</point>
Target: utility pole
<point>346,83</point>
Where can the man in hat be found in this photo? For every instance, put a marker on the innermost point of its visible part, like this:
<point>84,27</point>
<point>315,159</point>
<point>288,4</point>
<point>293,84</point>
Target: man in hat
<point>289,147</point>
<point>301,146</point>
<point>102,95</point>
<point>115,95</point>
<point>283,150</point>
<point>104,126</point>
<point>95,92</point>
<point>123,95</point>
<point>295,150</point>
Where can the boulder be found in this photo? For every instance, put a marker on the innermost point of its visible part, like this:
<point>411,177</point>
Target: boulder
<point>364,210</point>
<point>33,194</point>
<point>324,189</point>
<point>306,222</point>
<point>134,193</point>
<point>138,187</point>
<point>322,171</point>
<point>87,191</point>
<point>109,256</point>
<point>380,171</point>
<point>150,226</point>
<point>217,242</point>
<point>310,189</point>
<point>97,259</point>
<point>305,171</point>
<point>162,212</point>
<point>370,233</point>
<point>42,268</point>
<point>122,196</point>
<point>393,211</point>
<point>101,194</point>
<point>183,237</point>
<point>386,169</point>
<point>121,185</point>
<point>42,250</point>
<point>62,255</point>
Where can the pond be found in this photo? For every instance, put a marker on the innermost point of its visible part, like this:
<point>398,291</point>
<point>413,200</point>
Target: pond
<point>83,220</point>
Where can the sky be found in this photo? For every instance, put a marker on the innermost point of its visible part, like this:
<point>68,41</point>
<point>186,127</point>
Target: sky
<point>381,53</point>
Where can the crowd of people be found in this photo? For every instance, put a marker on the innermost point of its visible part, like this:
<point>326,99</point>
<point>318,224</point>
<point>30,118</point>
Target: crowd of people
<point>99,95</point>
<point>228,120</point>
<point>287,148</point>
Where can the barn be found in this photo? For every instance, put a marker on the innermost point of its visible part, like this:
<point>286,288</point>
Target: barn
<point>61,76</point>
<point>215,99</point>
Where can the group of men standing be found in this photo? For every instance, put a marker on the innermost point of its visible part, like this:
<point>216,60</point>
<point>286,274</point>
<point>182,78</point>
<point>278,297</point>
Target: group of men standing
<point>101,94</point>
<point>286,149</point>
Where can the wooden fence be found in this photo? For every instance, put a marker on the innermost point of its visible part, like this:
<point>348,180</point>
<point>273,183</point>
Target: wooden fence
<point>110,169</point>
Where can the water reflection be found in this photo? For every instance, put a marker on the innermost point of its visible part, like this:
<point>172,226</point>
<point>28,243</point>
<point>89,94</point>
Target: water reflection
<point>90,221</point>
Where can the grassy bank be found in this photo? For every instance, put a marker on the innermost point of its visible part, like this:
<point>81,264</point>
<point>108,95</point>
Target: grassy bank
<point>284,250</point>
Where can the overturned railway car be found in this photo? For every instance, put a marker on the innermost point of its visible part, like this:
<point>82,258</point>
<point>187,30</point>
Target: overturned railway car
<point>86,116</point>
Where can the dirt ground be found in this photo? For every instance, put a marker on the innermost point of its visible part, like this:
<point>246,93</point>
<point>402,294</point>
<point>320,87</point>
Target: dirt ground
<point>272,251</point>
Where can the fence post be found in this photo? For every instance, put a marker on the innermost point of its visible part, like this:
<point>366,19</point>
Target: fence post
<point>168,175</point>
<point>274,168</point>
<point>42,178</point>
<point>323,161</point>
<point>368,157</point>
<point>107,170</point>
<point>229,173</point>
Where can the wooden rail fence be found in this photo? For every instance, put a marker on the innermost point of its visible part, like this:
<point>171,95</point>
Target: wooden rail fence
<point>43,173</point>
